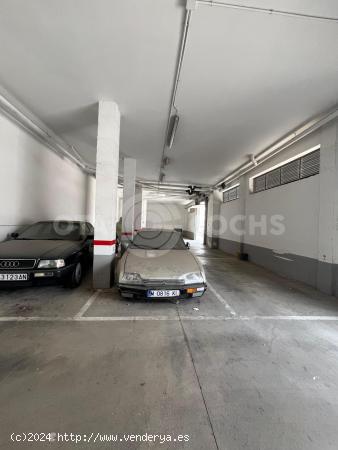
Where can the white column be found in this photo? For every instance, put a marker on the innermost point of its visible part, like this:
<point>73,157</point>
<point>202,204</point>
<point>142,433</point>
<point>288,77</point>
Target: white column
<point>327,275</point>
<point>214,208</point>
<point>129,178</point>
<point>144,212</point>
<point>139,208</point>
<point>107,164</point>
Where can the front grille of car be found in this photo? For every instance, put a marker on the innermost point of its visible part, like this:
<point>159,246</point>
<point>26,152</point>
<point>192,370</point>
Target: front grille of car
<point>163,282</point>
<point>15,264</point>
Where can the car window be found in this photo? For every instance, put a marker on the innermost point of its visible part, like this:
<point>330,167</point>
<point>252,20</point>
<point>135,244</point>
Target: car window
<point>89,228</point>
<point>158,240</point>
<point>58,230</point>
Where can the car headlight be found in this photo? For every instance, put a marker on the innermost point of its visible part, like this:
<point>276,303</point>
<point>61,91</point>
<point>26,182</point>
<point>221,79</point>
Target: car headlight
<point>193,277</point>
<point>132,277</point>
<point>51,264</point>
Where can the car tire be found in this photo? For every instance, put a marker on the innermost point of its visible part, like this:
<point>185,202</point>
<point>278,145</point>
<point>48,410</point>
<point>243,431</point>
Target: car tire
<point>75,277</point>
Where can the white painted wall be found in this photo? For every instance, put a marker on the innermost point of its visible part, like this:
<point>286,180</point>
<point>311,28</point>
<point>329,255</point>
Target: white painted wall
<point>297,202</point>
<point>90,199</point>
<point>191,220</point>
<point>229,212</point>
<point>328,195</point>
<point>165,215</point>
<point>36,184</point>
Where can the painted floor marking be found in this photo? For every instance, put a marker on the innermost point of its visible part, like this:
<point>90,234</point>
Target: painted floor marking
<point>221,299</point>
<point>88,304</point>
<point>165,318</point>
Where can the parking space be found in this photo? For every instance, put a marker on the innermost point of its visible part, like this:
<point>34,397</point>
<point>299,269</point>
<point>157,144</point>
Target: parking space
<point>46,301</point>
<point>248,356</point>
<point>124,377</point>
<point>236,290</point>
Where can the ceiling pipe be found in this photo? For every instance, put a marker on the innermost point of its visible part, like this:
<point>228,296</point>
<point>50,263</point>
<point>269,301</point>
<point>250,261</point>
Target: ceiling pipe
<point>40,131</point>
<point>282,144</point>
<point>172,185</point>
<point>266,10</point>
<point>170,190</point>
<point>190,6</point>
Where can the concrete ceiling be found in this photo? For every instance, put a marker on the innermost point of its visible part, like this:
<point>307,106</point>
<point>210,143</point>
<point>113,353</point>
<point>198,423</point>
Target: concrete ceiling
<point>247,78</point>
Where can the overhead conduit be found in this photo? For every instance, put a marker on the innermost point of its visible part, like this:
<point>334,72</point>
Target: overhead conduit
<point>282,144</point>
<point>26,120</point>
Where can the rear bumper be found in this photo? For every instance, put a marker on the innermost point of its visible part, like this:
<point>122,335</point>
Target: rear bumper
<point>141,291</point>
<point>38,277</point>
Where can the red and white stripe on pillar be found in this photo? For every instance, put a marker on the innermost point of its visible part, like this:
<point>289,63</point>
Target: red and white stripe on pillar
<point>104,246</point>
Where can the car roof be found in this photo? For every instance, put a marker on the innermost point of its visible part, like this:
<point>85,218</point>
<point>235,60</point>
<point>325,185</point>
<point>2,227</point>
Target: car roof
<point>167,230</point>
<point>56,221</point>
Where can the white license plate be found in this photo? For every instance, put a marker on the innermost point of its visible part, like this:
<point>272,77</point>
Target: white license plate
<point>13,276</point>
<point>163,293</point>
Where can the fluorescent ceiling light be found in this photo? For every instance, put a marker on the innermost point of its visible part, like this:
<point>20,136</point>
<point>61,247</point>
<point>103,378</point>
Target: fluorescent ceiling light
<point>172,130</point>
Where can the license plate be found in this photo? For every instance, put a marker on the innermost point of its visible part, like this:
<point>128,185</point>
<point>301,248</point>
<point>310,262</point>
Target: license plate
<point>163,293</point>
<point>13,276</point>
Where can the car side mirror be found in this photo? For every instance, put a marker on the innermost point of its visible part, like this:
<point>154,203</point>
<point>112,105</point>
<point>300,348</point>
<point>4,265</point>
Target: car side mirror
<point>14,235</point>
<point>187,245</point>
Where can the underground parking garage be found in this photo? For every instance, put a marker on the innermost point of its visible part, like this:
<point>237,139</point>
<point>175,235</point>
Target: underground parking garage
<point>168,224</point>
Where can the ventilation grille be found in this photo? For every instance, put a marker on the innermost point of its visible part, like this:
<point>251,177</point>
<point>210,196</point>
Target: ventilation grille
<point>231,194</point>
<point>290,172</point>
<point>259,183</point>
<point>310,164</point>
<point>300,168</point>
<point>272,179</point>
<point>13,264</point>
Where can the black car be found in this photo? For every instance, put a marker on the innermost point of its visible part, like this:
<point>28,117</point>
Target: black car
<point>47,252</point>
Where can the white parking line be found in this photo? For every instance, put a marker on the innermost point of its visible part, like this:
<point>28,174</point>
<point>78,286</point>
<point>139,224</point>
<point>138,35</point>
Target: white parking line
<point>166,318</point>
<point>221,299</point>
<point>87,305</point>
<point>305,318</point>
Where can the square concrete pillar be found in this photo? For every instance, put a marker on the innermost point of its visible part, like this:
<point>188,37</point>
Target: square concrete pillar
<point>139,209</point>
<point>213,213</point>
<point>128,208</point>
<point>107,165</point>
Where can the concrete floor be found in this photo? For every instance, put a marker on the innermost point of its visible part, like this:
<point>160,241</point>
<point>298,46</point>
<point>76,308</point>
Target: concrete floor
<point>251,365</point>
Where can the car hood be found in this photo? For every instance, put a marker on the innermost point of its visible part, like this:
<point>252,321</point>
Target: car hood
<point>160,264</point>
<point>37,249</point>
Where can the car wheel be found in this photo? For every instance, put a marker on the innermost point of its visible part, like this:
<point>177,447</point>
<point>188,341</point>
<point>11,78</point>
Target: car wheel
<point>75,278</point>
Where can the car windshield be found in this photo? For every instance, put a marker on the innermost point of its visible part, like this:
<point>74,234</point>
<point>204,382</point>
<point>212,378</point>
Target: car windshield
<point>158,240</point>
<point>61,230</point>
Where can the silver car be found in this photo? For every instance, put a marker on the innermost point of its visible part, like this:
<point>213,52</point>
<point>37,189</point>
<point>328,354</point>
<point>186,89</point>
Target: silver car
<point>158,264</point>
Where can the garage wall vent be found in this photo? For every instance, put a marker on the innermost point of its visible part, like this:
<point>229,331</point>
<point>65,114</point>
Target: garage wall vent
<point>231,194</point>
<point>298,169</point>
